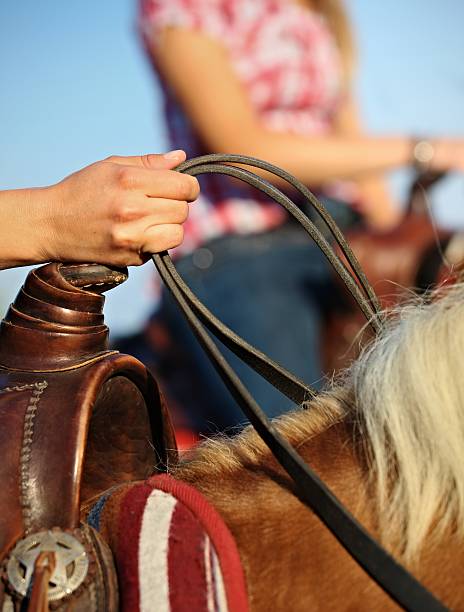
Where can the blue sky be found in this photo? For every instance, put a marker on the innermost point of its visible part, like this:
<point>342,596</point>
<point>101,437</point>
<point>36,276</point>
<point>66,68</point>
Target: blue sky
<point>76,88</point>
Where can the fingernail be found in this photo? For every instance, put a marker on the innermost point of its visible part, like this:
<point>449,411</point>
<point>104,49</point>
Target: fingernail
<point>174,154</point>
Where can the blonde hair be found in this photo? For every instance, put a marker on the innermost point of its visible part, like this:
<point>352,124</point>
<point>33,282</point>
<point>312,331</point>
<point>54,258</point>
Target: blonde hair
<point>336,16</point>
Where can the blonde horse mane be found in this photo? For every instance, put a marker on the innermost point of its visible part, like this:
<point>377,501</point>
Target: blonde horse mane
<point>407,393</point>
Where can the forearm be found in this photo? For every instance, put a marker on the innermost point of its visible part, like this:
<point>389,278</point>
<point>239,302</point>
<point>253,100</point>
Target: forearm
<point>24,229</point>
<point>320,159</point>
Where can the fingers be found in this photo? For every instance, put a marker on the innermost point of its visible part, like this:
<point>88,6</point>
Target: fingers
<point>159,211</point>
<point>160,184</point>
<point>161,238</point>
<point>151,161</point>
<point>150,211</point>
<point>137,174</point>
<point>158,229</point>
<point>133,240</point>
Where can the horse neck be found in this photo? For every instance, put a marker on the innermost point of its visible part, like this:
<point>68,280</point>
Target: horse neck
<point>291,560</point>
<point>338,456</point>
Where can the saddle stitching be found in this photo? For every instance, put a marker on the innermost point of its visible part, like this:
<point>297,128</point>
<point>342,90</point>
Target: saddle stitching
<point>26,450</point>
<point>24,387</point>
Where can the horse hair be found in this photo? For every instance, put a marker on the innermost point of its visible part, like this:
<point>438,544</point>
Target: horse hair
<point>409,394</point>
<point>406,392</point>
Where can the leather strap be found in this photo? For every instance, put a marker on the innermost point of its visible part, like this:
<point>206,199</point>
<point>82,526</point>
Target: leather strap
<point>382,568</point>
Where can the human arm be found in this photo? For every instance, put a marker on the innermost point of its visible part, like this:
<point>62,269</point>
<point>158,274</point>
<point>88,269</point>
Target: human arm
<point>199,71</point>
<point>376,204</point>
<point>113,211</point>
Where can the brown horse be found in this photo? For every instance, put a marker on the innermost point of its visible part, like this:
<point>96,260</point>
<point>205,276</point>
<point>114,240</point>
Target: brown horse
<point>388,440</point>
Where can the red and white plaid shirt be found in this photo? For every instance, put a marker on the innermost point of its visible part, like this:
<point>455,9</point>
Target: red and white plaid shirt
<point>287,60</point>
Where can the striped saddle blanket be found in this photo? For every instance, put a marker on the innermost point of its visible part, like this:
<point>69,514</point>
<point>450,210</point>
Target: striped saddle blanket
<point>172,550</point>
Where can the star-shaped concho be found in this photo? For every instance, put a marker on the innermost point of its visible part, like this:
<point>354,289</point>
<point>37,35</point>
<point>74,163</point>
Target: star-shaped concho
<point>70,558</point>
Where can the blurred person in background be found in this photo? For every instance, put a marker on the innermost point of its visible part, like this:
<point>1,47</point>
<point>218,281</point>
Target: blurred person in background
<point>271,79</point>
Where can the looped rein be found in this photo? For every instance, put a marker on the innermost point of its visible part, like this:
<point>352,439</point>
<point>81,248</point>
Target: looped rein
<point>382,568</point>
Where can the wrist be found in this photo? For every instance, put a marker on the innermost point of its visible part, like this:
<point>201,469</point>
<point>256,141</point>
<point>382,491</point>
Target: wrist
<point>40,218</point>
<point>24,212</point>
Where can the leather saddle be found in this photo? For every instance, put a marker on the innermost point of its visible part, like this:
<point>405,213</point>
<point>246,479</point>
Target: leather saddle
<point>413,257</point>
<point>77,419</point>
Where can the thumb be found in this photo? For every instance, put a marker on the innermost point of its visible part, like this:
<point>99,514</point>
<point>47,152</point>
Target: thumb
<point>152,161</point>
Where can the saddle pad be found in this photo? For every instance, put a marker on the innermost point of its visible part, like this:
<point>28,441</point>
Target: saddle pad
<point>172,550</point>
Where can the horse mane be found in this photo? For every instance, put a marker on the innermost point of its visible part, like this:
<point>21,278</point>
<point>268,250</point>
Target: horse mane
<point>409,392</point>
<point>406,392</point>
<point>221,454</point>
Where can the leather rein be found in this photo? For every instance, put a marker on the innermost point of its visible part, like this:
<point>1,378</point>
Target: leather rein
<point>392,577</point>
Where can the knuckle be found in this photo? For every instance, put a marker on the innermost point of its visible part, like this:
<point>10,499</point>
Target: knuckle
<point>183,187</point>
<point>144,161</point>
<point>176,235</point>
<point>188,188</point>
<point>184,212</point>
<point>120,239</point>
<point>195,188</point>
<point>148,160</point>
<point>125,177</point>
<point>124,211</point>
<point>179,188</point>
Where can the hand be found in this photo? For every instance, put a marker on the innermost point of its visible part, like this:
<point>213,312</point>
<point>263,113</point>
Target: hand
<point>449,155</point>
<point>118,211</point>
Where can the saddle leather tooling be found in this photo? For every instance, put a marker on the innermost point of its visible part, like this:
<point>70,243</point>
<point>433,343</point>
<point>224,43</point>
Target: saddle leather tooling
<point>76,419</point>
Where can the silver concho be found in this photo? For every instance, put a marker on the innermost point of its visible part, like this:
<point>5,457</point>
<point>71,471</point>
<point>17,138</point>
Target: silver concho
<point>72,562</point>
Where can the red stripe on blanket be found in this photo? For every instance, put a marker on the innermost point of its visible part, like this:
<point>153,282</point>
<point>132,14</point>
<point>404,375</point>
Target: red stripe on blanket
<point>220,536</point>
<point>129,524</point>
<point>188,586</point>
